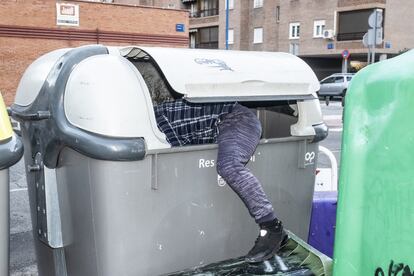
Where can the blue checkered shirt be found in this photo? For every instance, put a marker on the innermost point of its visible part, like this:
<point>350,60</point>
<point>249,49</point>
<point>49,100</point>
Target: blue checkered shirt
<point>186,123</point>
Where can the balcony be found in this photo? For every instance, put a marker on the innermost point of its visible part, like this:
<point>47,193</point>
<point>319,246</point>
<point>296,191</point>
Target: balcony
<point>204,13</point>
<point>350,36</point>
<point>208,45</point>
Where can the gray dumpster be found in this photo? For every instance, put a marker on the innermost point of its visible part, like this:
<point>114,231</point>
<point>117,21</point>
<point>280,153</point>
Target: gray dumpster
<point>108,194</point>
<point>11,150</point>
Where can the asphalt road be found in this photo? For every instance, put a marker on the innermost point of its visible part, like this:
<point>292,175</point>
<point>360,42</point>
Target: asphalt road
<point>22,255</point>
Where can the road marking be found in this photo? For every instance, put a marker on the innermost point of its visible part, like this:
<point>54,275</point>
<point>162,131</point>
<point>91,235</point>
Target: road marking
<point>336,129</point>
<point>18,190</point>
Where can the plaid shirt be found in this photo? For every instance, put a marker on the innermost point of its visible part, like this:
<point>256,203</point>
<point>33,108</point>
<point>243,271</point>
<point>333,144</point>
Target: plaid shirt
<point>186,123</point>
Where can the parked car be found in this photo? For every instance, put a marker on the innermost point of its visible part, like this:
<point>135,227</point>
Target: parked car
<point>335,85</point>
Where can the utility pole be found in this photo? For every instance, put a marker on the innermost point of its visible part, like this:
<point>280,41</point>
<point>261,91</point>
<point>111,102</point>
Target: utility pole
<point>227,24</point>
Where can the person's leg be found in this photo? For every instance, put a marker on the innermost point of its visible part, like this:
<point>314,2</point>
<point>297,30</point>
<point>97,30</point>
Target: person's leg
<point>239,135</point>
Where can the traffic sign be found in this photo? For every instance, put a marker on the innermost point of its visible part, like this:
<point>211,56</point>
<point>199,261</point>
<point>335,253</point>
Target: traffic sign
<point>345,54</point>
<point>180,28</point>
<point>375,19</point>
<point>378,36</point>
<point>366,41</point>
<point>372,37</point>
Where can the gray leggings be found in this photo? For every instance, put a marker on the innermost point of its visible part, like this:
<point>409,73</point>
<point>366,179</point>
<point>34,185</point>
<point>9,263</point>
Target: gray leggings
<point>238,137</point>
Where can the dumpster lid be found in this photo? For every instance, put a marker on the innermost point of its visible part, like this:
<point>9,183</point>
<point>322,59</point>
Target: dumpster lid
<point>218,75</point>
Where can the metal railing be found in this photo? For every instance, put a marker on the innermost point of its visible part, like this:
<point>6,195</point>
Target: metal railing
<point>207,45</point>
<point>204,13</point>
<point>334,168</point>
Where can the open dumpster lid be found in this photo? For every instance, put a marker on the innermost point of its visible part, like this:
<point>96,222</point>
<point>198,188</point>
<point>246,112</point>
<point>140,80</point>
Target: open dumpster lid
<point>219,75</point>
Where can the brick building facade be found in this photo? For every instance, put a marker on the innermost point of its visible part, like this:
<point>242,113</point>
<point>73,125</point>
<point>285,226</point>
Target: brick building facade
<point>298,27</point>
<point>171,4</point>
<point>28,29</point>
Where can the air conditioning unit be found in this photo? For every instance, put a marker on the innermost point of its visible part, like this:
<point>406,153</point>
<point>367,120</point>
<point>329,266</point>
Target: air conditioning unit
<point>328,34</point>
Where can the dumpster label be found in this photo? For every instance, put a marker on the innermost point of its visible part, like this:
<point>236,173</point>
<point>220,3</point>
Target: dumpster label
<point>214,63</point>
<point>309,158</point>
<point>395,270</point>
<point>209,163</point>
<point>203,163</point>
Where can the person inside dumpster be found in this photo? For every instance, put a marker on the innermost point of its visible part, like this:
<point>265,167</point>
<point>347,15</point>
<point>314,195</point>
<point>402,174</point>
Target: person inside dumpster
<point>237,130</point>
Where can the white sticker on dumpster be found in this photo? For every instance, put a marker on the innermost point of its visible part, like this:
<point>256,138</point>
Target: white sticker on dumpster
<point>309,158</point>
<point>220,181</point>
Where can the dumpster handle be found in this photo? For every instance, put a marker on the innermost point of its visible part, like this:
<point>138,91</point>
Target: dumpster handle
<point>39,115</point>
<point>50,131</point>
<point>334,165</point>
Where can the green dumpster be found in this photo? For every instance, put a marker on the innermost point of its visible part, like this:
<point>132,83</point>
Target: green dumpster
<point>375,218</point>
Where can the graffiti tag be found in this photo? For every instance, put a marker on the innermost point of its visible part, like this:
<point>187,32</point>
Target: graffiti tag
<point>215,63</point>
<point>395,270</point>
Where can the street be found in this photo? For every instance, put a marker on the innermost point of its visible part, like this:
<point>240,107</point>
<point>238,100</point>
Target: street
<point>22,255</point>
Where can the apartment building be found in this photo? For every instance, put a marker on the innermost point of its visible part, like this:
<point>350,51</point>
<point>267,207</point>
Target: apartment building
<point>204,18</point>
<point>316,30</point>
<point>204,23</point>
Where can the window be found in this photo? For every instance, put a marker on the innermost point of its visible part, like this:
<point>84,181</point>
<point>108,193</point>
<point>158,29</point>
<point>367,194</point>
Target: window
<point>192,39</point>
<point>231,36</point>
<point>207,38</point>
<point>206,8</point>
<point>294,30</point>
<point>277,13</point>
<point>231,4</point>
<point>318,28</point>
<point>294,48</point>
<point>352,25</point>
<point>193,10</point>
<point>328,80</point>
<point>349,78</point>
<point>258,3</point>
<point>339,79</point>
<point>258,35</point>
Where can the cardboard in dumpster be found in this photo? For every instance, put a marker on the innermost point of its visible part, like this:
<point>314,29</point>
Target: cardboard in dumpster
<point>294,258</point>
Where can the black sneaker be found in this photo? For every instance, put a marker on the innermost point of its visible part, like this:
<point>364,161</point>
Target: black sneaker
<point>267,243</point>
